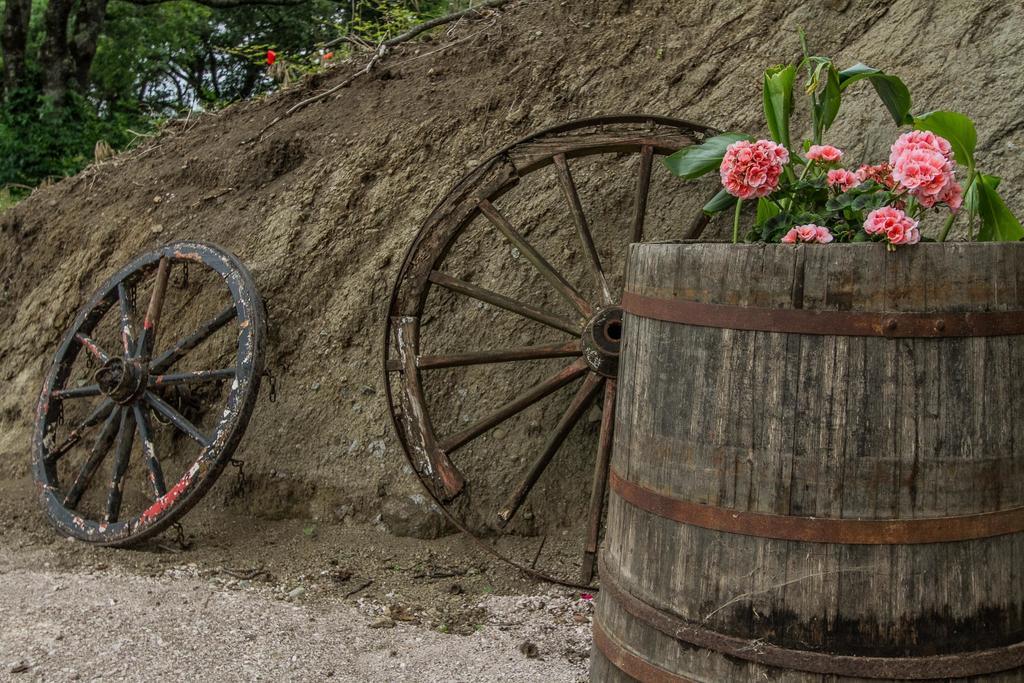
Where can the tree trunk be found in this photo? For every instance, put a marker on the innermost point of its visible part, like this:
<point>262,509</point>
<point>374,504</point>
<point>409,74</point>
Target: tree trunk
<point>54,57</point>
<point>88,25</point>
<point>14,39</point>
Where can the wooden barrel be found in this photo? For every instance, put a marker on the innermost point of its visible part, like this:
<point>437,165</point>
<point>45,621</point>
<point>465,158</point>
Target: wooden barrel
<point>816,474</point>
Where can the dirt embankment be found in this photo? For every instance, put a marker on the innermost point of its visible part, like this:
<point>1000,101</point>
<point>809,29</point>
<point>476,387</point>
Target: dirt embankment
<point>323,207</point>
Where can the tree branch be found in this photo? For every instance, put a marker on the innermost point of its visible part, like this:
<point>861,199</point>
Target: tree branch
<point>223,4</point>
<point>381,51</point>
<point>427,25</point>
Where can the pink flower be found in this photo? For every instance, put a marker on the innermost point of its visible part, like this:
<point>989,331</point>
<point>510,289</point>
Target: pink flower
<point>586,596</point>
<point>842,179</point>
<point>752,169</point>
<point>922,163</point>
<point>881,174</point>
<point>920,139</point>
<point>896,226</point>
<point>808,233</point>
<point>952,196</point>
<point>826,153</point>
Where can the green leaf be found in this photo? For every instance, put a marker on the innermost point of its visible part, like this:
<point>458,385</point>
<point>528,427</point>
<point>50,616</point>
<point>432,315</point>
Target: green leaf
<point>778,101</point>
<point>956,128</point>
<point>766,209</point>
<point>843,201</point>
<point>870,202</point>
<point>971,191</point>
<point>720,202</point>
<point>998,224</point>
<point>891,90</point>
<point>696,160</point>
<point>830,99</point>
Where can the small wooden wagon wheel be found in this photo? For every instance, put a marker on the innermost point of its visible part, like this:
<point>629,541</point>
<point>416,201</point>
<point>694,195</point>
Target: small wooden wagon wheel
<point>166,389</point>
<point>502,338</point>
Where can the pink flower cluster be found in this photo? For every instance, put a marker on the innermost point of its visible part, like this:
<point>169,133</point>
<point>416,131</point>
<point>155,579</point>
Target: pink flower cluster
<point>881,174</point>
<point>922,162</point>
<point>808,233</point>
<point>896,226</point>
<point>752,169</point>
<point>842,179</point>
<point>825,153</point>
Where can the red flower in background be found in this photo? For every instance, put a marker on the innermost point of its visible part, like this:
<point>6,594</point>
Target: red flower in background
<point>271,56</point>
<point>329,55</point>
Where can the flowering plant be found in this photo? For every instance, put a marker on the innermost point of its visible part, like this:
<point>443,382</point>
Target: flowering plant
<point>814,195</point>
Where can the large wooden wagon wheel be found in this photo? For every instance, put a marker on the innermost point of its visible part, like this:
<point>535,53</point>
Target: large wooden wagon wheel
<point>149,394</point>
<point>502,337</point>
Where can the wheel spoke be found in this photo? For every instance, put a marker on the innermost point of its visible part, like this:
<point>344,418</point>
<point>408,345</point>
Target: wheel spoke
<point>600,482</point>
<point>90,345</point>
<point>572,196</point>
<point>556,279</point>
<point>518,404</point>
<point>584,397</point>
<point>95,417</point>
<point>156,473</point>
<point>147,339</point>
<point>643,186</point>
<point>96,456</point>
<point>122,454</point>
<point>186,344</point>
<point>176,418</point>
<point>195,377</point>
<point>126,301</point>
<point>495,299</point>
<point>557,350</point>
<point>77,392</point>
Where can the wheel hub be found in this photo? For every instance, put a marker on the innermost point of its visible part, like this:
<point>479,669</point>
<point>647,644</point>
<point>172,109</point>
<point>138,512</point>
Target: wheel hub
<point>121,380</point>
<point>602,338</point>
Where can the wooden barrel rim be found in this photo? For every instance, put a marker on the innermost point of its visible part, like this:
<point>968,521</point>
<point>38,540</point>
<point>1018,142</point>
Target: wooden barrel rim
<point>958,665</point>
<point>628,662</point>
<point>819,529</point>
<point>893,324</point>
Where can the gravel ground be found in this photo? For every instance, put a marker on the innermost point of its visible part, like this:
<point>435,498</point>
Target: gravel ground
<point>112,626</point>
<point>288,600</point>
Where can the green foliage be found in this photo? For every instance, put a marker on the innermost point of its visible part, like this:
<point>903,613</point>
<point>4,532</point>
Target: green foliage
<point>998,224</point>
<point>891,90</point>
<point>378,20</point>
<point>39,140</point>
<point>778,101</point>
<point>720,202</point>
<point>697,160</point>
<point>808,198</point>
<point>766,210</point>
<point>956,128</point>
<point>170,59</point>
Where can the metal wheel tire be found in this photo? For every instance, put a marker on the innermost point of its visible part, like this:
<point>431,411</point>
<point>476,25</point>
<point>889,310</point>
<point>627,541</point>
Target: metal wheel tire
<point>108,374</point>
<point>581,350</point>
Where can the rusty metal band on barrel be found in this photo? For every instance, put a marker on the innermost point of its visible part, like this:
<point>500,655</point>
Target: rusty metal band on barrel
<point>820,529</point>
<point>839,323</point>
<point>957,665</point>
<point>629,663</point>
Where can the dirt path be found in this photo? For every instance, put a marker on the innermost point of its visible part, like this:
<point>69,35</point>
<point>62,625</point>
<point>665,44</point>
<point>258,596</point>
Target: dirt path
<point>275,600</point>
<point>110,626</point>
